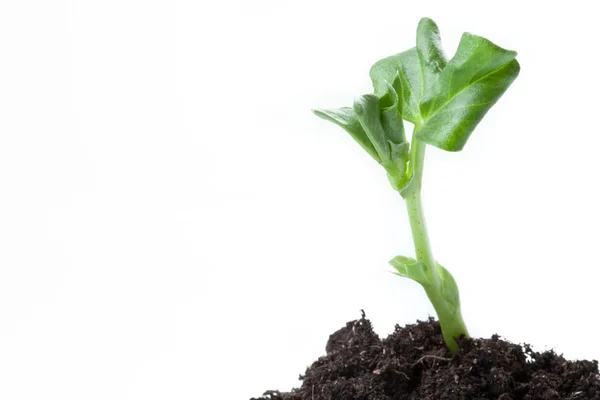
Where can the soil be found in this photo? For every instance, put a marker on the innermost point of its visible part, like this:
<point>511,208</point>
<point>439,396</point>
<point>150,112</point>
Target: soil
<point>413,363</point>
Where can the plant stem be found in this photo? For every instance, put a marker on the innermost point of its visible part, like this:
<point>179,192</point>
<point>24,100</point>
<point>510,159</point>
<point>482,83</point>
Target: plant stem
<point>449,315</point>
<point>414,207</point>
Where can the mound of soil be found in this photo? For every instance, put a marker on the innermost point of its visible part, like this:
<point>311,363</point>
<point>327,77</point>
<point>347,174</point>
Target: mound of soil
<point>413,363</point>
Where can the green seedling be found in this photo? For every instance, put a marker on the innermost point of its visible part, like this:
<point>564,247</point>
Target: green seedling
<point>444,100</point>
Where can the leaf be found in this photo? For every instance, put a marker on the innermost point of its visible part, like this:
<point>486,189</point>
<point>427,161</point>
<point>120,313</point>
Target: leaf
<point>391,112</point>
<point>347,119</point>
<point>410,268</point>
<point>417,271</point>
<point>367,110</point>
<point>449,288</point>
<point>447,100</point>
<point>397,171</point>
<point>407,68</point>
<point>466,89</point>
<point>431,55</point>
<point>376,123</point>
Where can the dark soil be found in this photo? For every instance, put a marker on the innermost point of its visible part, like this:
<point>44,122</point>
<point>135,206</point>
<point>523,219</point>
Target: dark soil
<point>413,363</point>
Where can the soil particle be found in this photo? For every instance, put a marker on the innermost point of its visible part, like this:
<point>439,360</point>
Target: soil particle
<point>413,364</point>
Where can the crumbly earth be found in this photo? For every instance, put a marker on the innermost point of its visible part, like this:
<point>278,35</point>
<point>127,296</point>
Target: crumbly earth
<point>413,364</point>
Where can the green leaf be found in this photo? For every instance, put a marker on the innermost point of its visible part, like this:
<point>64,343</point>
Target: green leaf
<point>347,119</point>
<point>431,55</point>
<point>376,123</point>
<point>417,271</point>
<point>397,169</point>
<point>465,90</point>
<point>391,112</point>
<point>410,268</point>
<point>400,154</point>
<point>407,68</point>
<point>369,114</point>
<point>449,288</point>
<point>447,100</point>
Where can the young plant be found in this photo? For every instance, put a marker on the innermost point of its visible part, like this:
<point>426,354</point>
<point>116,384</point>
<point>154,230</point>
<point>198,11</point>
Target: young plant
<point>444,100</point>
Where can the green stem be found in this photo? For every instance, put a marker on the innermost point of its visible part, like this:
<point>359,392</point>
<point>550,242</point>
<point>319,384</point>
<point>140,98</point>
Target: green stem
<point>449,315</point>
<point>414,207</point>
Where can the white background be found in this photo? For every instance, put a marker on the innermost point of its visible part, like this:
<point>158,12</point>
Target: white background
<point>176,224</point>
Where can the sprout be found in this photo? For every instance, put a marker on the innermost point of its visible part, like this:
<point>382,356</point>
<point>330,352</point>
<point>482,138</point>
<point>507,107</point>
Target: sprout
<point>444,100</point>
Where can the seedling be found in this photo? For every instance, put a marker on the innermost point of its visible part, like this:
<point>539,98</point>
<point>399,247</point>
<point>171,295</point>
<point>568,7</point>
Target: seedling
<point>444,100</point>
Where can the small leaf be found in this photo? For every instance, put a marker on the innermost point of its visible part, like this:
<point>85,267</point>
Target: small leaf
<point>410,268</point>
<point>397,169</point>
<point>431,55</point>
<point>474,79</point>
<point>368,112</point>
<point>347,119</point>
<point>400,153</point>
<point>417,271</point>
<point>407,68</point>
<point>449,288</point>
<point>391,112</point>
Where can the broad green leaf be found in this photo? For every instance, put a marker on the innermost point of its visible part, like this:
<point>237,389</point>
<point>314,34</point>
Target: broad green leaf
<point>447,100</point>
<point>470,84</point>
<point>410,268</point>
<point>347,119</point>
